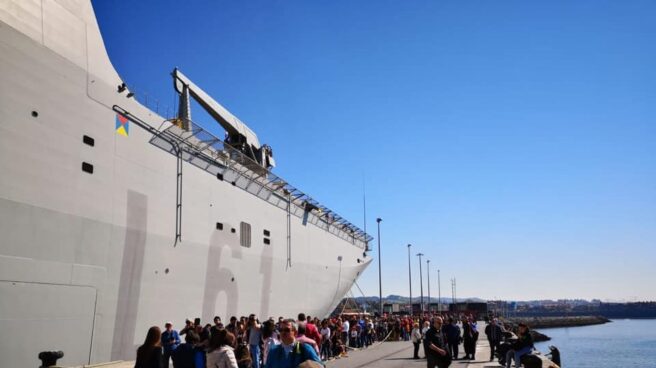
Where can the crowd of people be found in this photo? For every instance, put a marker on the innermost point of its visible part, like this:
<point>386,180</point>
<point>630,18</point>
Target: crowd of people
<point>441,340</point>
<point>248,343</point>
<point>309,342</point>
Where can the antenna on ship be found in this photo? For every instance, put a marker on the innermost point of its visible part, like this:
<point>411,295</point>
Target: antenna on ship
<point>364,208</point>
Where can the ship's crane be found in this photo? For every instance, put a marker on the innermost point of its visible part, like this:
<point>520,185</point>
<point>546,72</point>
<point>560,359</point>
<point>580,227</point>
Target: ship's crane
<point>239,135</point>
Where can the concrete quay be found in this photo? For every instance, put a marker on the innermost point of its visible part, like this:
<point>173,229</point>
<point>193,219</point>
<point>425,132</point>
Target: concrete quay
<point>398,354</point>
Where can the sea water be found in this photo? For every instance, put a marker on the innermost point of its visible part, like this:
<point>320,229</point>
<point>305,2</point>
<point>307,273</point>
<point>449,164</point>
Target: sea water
<point>620,343</point>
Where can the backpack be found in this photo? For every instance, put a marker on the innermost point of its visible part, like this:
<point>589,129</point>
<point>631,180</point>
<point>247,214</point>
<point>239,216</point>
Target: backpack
<point>300,356</point>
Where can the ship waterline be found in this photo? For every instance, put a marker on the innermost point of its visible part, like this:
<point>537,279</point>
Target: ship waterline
<point>97,244</point>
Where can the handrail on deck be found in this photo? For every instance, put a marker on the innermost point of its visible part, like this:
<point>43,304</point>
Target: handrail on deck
<point>208,152</point>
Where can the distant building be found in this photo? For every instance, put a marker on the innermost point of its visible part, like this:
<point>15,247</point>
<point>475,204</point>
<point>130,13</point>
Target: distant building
<point>391,308</point>
<point>469,308</point>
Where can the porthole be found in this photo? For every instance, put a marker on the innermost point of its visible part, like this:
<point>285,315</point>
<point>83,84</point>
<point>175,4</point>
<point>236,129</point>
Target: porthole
<point>87,167</point>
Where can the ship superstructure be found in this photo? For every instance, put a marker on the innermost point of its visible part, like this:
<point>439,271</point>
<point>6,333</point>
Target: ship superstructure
<point>114,218</point>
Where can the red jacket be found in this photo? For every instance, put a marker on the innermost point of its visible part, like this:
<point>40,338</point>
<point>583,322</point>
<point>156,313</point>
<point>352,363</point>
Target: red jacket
<point>312,332</point>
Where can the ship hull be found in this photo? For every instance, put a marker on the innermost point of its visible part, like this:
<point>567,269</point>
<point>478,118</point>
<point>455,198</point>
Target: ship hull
<point>90,260</point>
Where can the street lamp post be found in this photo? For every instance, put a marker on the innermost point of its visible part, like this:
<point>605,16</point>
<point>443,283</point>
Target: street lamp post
<point>428,278</point>
<point>380,279</point>
<point>421,285</point>
<point>410,277</point>
<point>439,292</point>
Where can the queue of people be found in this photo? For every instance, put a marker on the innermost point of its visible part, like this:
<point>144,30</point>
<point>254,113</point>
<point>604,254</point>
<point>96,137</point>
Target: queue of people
<point>248,343</point>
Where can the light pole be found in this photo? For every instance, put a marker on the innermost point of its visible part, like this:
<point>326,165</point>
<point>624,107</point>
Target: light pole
<point>439,292</point>
<point>428,278</point>
<point>410,277</point>
<point>380,279</point>
<point>421,285</point>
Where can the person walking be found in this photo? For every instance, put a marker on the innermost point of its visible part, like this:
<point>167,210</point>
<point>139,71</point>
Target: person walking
<point>494,334</point>
<point>453,337</point>
<point>436,354</point>
<point>468,338</point>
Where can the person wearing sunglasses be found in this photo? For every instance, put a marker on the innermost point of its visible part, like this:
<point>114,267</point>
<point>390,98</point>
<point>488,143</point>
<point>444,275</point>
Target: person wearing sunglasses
<point>291,353</point>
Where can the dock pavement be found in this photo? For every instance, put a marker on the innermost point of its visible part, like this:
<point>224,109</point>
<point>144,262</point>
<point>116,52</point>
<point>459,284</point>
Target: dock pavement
<point>398,354</point>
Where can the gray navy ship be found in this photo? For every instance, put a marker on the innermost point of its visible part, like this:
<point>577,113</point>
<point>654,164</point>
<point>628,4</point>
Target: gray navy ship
<point>114,218</point>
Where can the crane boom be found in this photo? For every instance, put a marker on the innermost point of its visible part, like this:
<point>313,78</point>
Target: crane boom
<point>240,135</point>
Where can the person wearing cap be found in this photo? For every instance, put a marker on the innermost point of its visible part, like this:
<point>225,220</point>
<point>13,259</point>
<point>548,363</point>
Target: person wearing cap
<point>522,346</point>
<point>170,342</point>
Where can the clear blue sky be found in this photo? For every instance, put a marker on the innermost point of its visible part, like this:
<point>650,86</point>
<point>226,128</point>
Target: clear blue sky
<point>512,142</point>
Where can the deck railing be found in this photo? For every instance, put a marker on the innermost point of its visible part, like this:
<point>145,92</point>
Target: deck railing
<point>209,153</point>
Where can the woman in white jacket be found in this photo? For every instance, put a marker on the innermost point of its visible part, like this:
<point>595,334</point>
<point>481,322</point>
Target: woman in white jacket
<point>221,353</point>
<point>416,339</point>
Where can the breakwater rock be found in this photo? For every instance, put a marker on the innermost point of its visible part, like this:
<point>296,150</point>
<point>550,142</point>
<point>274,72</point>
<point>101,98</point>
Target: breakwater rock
<point>539,337</point>
<point>564,321</point>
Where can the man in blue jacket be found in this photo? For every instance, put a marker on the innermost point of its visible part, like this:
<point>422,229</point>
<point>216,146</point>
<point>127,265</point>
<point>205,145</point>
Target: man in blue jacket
<point>290,353</point>
<point>170,342</point>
